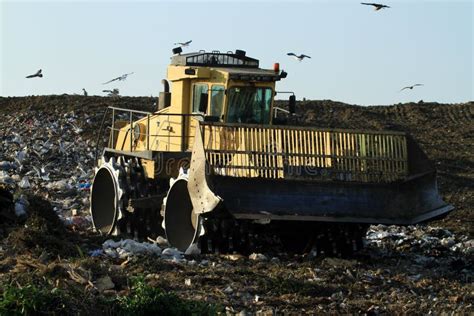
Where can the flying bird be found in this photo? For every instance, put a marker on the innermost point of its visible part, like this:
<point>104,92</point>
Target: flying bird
<point>112,93</point>
<point>37,74</point>
<point>377,6</point>
<point>298,57</point>
<point>121,78</point>
<point>411,87</point>
<point>185,44</point>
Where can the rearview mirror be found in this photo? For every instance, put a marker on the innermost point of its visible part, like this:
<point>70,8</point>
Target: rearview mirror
<point>292,104</point>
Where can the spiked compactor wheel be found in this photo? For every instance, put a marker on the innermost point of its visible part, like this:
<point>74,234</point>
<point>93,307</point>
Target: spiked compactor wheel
<point>182,226</point>
<point>107,197</point>
<point>117,184</point>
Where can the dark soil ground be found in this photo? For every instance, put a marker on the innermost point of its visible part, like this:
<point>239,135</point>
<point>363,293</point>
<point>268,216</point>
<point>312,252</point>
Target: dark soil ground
<point>46,268</point>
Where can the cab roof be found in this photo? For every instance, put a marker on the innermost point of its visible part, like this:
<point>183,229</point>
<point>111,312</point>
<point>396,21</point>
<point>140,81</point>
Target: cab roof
<point>237,59</point>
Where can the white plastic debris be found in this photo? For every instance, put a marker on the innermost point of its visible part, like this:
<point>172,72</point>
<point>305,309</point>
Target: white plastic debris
<point>21,206</point>
<point>421,237</point>
<point>128,247</point>
<point>193,250</point>
<point>162,242</point>
<point>466,247</point>
<point>448,241</point>
<point>170,253</point>
<point>60,185</point>
<point>109,243</point>
<point>24,183</point>
<point>258,257</point>
<point>111,253</point>
<point>5,178</point>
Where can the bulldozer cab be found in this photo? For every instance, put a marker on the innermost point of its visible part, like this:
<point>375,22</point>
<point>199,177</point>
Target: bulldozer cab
<point>228,88</point>
<point>203,87</point>
<point>211,87</point>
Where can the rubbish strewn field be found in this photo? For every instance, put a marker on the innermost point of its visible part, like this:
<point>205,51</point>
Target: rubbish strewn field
<point>51,261</point>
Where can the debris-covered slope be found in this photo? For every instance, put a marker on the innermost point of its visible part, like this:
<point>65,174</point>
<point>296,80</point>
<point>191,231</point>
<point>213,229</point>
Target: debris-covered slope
<point>47,147</point>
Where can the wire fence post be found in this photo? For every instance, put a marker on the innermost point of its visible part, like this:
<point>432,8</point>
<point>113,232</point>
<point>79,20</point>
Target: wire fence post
<point>148,132</point>
<point>131,131</point>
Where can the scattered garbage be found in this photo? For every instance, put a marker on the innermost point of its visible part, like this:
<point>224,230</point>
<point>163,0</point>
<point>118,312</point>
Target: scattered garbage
<point>172,253</point>
<point>60,185</point>
<point>104,283</point>
<point>24,183</point>
<point>77,222</point>
<point>128,247</point>
<point>193,250</point>
<point>258,257</point>
<point>84,186</point>
<point>96,253</point>
<point>6,165</point>
<point>5,178</point>
<point>425,239</point>
<point>21,206</point>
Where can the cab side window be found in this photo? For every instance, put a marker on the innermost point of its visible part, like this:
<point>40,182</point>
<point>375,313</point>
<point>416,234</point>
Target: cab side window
<point>217,100</point>
<point>200,98</point>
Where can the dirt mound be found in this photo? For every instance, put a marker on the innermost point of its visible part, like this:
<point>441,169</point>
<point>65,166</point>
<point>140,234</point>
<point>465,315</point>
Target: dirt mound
<point>43,231</point>
<point>7,214</point>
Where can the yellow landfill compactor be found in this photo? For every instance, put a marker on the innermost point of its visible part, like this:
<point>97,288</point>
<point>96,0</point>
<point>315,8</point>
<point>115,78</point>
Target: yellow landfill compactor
<point>212,167</point>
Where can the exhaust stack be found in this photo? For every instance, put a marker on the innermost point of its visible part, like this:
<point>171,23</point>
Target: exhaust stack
<point>165,96</point>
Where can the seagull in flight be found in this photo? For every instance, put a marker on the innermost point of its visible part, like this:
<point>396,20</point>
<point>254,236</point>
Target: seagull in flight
<point>377,6</point>
<point>185,44</point>
<point>411,87</point>
<point>112,93</point>
<point>121,78</point>
<point>37,74</point>
<point>298,57</point>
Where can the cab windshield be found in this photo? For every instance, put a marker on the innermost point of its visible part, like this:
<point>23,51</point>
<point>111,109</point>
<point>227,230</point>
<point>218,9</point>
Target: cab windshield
<point>249,105</point>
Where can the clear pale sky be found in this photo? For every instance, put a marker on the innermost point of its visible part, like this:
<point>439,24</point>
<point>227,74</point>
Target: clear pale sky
<point>359,56</point>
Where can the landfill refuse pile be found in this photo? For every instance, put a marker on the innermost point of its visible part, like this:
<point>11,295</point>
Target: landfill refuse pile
<point>48,148</point>
<point>51,260</point>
